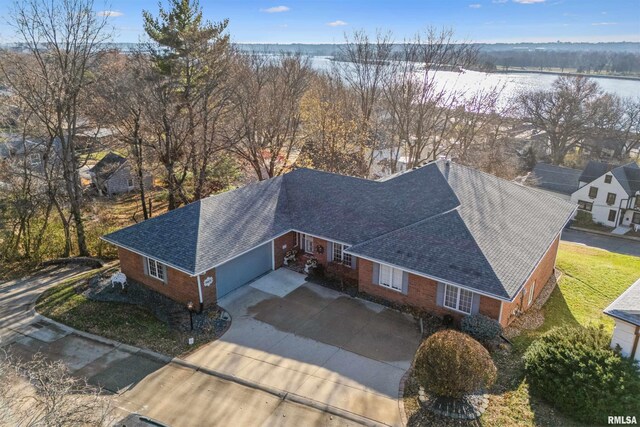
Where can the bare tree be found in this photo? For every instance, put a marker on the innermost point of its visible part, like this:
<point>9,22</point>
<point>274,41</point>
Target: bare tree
<point>566,113</point>
<point>62,39</point>
<point>363,63</point>
<point>421,112</point>
<point>124,93</point>
<point>43,393</point>
<point>267,92</point>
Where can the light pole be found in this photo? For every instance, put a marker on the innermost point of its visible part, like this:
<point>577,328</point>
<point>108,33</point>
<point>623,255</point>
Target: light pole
<point>190,308</point>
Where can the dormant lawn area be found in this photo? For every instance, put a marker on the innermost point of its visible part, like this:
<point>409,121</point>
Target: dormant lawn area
<point>126,323</point>
<point>591,279</point>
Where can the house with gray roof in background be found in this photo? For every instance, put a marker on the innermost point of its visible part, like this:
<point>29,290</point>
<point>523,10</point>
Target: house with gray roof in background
<point>559,180</point>
<point>113,175</point>
<point>625,310</point>
<point>443,238</point>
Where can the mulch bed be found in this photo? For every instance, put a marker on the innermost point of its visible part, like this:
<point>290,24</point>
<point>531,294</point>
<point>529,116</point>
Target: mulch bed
<point>533,318</point>
<point>211,322</point>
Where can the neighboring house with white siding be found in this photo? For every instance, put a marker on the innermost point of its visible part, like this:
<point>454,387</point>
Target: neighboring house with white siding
<point>626,312</point>
<point>610,194</point>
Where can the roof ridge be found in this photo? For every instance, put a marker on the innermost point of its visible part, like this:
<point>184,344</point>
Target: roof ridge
<point>525,187</point>
<point>396,230</point>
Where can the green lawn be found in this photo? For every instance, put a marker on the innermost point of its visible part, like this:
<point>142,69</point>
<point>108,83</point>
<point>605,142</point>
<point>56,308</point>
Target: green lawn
<point>591,280</point>
<point>126,323</point>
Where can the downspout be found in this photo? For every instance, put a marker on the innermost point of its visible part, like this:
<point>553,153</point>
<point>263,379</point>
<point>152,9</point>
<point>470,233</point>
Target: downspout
<point>200,294</point>
<point>634,348</point>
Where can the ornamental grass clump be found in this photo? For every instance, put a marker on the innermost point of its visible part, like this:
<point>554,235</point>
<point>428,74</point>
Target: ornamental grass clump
<point>574,369</point>
<point>452,364</point>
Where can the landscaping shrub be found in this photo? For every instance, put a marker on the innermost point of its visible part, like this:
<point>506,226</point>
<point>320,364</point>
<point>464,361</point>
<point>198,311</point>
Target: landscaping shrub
<point>452,364</point>
<point>583,219</point>
<point>575,370</point>
<point>481,327</point>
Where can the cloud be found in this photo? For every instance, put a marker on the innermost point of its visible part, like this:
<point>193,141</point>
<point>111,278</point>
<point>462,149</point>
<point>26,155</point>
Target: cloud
<point>337,23</point>
<point>475,6</point>
<point>276,9</point>
<point>602,24</point>
<point>110,13</point>
<point>499,1</point>
<point>529,1</point>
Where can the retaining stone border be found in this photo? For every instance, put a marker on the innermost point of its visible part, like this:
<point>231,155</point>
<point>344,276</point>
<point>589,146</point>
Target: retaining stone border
<point>469,407</point>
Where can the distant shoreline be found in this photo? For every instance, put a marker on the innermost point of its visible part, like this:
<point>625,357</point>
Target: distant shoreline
<point>558,73</point>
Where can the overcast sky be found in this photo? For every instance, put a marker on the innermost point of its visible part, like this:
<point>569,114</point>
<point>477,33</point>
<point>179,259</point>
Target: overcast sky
<point>326,21</point>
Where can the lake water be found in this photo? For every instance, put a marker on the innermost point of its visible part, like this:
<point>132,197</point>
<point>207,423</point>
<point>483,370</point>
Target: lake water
<point>511,83</point>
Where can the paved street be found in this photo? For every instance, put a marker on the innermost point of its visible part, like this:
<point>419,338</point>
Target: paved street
<point>611,244</point>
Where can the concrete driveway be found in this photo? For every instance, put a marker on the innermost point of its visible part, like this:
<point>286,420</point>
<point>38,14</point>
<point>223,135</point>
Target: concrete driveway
<point>143,382</point>
<point>315,343</point>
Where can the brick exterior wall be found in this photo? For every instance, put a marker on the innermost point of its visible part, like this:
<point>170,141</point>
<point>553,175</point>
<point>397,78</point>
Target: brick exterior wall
<point>540,276</point>
<point>180,286</point>
<point>422,292</point>
<point>279,249</point>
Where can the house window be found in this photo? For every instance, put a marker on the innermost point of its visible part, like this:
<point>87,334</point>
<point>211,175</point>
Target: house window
<point>339,255</point>
<point>607,179</point>
<point>458,298</point>
<point>612,215</point>
<point>585,206</point>
<point>611,198</point>
<point>130,182</point>
<point>593,192</point>
<point>637,202</point>
<point>390,277</point>
<point>34,159</point>
<point>636,218</point>
<point>532,292</point>
<point>155,269</point>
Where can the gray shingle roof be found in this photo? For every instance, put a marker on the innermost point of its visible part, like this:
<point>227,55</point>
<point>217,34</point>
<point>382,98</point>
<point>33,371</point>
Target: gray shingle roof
<point>555,178</point>
<point>493,242</point>
<point>210,231</point>
<point>452,223</point>
<point>629,177</point>
<point>594,169</point>
<point>107,166</point>
<point>627,305</point>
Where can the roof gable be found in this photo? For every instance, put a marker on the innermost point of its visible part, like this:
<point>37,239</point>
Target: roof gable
<point>629,177</point>
<point>594,170</point>
<point>627,306</point>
